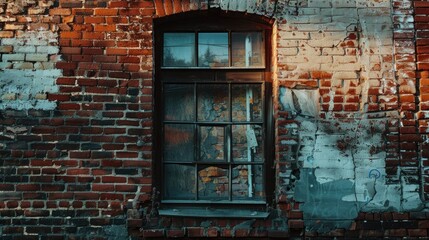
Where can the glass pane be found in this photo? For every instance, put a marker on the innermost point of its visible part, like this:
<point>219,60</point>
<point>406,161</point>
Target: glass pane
<point>179,182</point>
<point>247,49</point>
<point>212,143</point>
<point>246,103</point>
<point>179,49</point>
<point>213,183</point>
<point>245,185</point>
<point>179,102</point>
<point>247,144</point>
<point>179,143</point>
<point>213,103</point>
<point>213,50</point>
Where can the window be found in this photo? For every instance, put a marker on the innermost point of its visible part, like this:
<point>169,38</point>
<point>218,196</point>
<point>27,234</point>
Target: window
<point>213,105</point>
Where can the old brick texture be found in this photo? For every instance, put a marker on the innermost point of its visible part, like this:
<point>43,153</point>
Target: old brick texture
<point>351,109</point>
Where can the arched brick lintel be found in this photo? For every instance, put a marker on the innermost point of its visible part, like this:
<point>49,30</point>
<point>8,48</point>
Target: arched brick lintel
<point>267,8</point>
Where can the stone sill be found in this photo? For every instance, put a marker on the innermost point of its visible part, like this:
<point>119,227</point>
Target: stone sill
<point>213,212</point>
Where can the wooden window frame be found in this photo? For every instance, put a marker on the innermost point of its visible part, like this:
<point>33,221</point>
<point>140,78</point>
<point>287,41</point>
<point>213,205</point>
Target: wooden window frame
<point>214,20</point>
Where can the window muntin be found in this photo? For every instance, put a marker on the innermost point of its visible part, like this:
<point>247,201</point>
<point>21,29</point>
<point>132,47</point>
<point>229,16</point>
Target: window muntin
<point>213,50</point>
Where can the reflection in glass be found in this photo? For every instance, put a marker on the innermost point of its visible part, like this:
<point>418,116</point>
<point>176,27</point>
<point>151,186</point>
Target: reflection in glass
<point>247,143</point>
<point>213,102</point>
<point>213,50</point>
<point>213,183</point>
<point>247,182</point>
<point>246,103</point>
<point>212,141</point>
<point>179,182</point>
<point>179,102</point>
<point>179,49</point>
<point>247,49</point>
<point>178,143</point>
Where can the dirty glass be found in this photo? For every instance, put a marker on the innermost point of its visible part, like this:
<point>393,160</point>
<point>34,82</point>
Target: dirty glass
<point>179,143</point>
<point>213,182</point>
<point>247,49</point>
<point>179,102</point>
<point>180,182</point>
<point>213,50</point>
<point>247,143</point>
<point>213,102</point>
<point>247,182</point>
<point>179,49</point>
<point>246,102</point>
<point>212,143</point>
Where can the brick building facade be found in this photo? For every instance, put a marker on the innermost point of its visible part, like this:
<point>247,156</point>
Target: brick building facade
<point>342,98</point>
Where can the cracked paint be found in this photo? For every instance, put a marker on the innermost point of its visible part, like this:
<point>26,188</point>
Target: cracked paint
<point>350,176</point>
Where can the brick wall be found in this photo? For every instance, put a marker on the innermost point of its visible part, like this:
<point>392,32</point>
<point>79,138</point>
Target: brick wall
<point>350,83</point>
<point>422,42</point>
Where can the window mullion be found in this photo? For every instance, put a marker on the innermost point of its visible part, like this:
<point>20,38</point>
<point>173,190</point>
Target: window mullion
<point>229,136</point>
<point>196,140</point>
<point>229,49</point>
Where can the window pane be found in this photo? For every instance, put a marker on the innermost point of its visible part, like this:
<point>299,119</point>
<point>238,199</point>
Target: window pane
<point>179,49</point>
<point>245,185</point>
<point>247,49</point>
<point>179,102</point>
<point>247,143</point>
<point>213,183</point>
<point>246,103</point>
<point>213,50</point>
<point>212,143</point>
<point>179,182</point>
<point>213,103</point>
<point>179,142</point>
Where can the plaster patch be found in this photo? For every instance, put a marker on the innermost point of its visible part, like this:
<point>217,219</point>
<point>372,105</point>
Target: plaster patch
<point>29,70</point>
<point>300,101</point>
<point>326,175</point>
<point>324,201</point>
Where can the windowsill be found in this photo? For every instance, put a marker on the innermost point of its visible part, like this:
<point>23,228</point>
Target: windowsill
<point>212,212</point>
<point>214,68</point>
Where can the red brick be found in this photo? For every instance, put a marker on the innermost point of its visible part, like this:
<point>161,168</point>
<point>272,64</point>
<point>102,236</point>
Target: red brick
<point>104,28</point>
<point>93,35</point>
<point>70,35</point>
<point>129,12</point>
<point>118,4</point>
<point>153,233</point>
<point>60,11</point>
<point>116,51</point>
<point>417,232</point>
<point>105,12</point>
<point>103,187</point>
<point>175,233</point>
<point>66,65</point>
<point>93,19</point>
<point>296,223</point>
<point>159,6</point>
<point>112,179</point>
<point>82,12</point>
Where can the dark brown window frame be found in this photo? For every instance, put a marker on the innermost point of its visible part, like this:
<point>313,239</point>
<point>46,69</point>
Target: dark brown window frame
<point>214,20</point>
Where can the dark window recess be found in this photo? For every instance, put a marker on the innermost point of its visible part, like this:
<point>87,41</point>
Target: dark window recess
<point>214,117</point>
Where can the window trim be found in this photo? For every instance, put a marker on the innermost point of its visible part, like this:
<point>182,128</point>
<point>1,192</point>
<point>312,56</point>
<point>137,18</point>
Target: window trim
<point>185,22</point>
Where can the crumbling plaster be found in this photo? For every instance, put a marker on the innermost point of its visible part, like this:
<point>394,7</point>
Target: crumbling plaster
<point>28,53</point>
<point>340,162</point>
